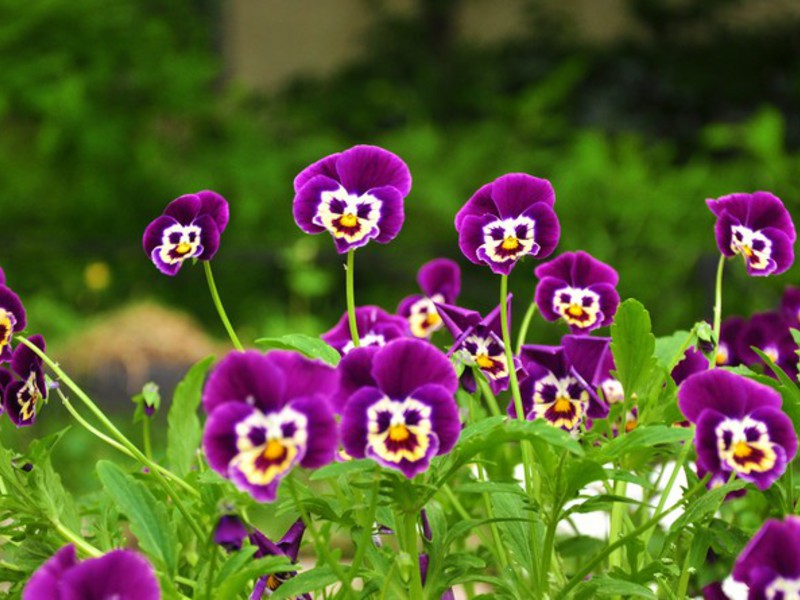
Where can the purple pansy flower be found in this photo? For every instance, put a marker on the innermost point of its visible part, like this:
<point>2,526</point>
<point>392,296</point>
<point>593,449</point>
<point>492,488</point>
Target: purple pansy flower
<point>375,327</point>
<point>22,397</point>
<point>479,342</point>
<point>12,320</point>
<point>693,361</point>
<point>769,333</point>
<point>356,195</point>
<point>189,228</point>
<point>120,574</point>
<point>740,427</point>
<point>790,307</point>
<point>405,414</point>
<point>757,227</point>
<point>230,532</point>
<point>267,413</point>
<point>289,546</point>
<point>770,562</point>
<point>507,219</point>
<point>440,282</point>
<point>727,349</point>
<point>554,389</point>
<point>579,289</point>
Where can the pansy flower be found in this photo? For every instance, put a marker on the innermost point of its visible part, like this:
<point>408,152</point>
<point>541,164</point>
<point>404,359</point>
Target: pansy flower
<point>727,349</point>
<point>693,361</point>
<point>189,228</point>
<point>741,429</point>
<point>507,219</point>
<point>289,546</point>
<point>268,413</point>
<point>756,227</point>
<point>769,333</point>
<point>405,413</point>
<point>770,562</point>
<point>440,281</point>
<point>375,327</point>
<point>579,289</point>
<point>12,320</point>
<point>554,390</point>
<point>356,196</point>
<point>479,342</point>
<point>120,574</point>
<point>790,307</point>
<point>23,396</point>
<point>230,532</point>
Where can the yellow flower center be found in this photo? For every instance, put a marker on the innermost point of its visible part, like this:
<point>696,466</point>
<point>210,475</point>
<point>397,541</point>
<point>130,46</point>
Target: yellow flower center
<point>183,248</point>
<point>348,220</point>
<point>510,243</point>
<point>742,450</point>
<point>563,405</point>
<point>273,582</point>
<point>433,319</point>
<point>575,310</point>
<point>484,362</point>
<point>274,450</point>
<point>747,251</point>
<point>398,433</point>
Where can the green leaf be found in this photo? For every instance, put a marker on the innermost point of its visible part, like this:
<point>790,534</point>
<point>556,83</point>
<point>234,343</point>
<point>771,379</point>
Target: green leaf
<point>307,581</point>
<point>184,432</point>
<point>515,534</point>
<point>639,438</point>
<point>148,517</point>
<point>312,347</point>
<point>235,582</point>
<point>340,469</point>
<point>603,586</point>
<point>669,350</point>
<point>633,346</point>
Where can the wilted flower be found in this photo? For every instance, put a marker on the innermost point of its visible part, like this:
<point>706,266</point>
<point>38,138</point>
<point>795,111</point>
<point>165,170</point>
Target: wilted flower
<point>479,341</point>
<point>757,227</point>
<point>289,546</point>
<point>579,289</point>
<point>22,397</point>
<point>740,427</point>
<point>120,574</point>
<point>769,333</point>
<point>267,413</point>
<point>769,564</point>
<point>507,219</point>
<point>230,532</point>
<point>189,228</point>
<point>375,327</point>
<point>12,320</point>
<point>440,282</point>
<point>405,413</point>
<point>356,195</point>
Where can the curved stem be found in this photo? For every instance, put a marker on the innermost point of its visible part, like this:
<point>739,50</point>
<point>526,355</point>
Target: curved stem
<point>717,309</point>
<point>220,308</point>
<point>526,323</point>
<point>74,538</point>
<point>351,302</point>
<point>410,535</point>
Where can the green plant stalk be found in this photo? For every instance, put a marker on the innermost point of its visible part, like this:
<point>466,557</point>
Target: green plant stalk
<point>526,323</point>
<point>550,532</point>
<point>410,543</point>
<point>463,512</point>
<point>717,309</point>
<point>220,308</point>
<point>74,538</point>
<point>491,399</point>
<point>683,581</point>
<point>148,450</point>
<point>212,568</point>
<point>351,302</point>
<point>117,446</point>
<point>100,415</point>
<point>617,516</point>
<point>366,534</point>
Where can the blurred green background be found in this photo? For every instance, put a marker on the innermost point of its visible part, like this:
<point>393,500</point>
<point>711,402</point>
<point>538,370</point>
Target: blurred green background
<point>636,110</point>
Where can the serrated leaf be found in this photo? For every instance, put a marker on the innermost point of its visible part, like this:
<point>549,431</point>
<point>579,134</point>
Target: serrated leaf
<point>312,347</point>
<point>515,534</point>
<point>184,432</point>
<point>147,516</point>
<point>633,347</point>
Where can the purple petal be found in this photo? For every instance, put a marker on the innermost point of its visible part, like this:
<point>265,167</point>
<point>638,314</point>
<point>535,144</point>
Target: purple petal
<point>209,236</point>
<point>578,269</point>
<point>727,393</point>
<point>766,331</point>
<point>782,253</point>
<point>457,319</point>
<point>780,429</point>
<point>362,168</point>
<point>355,372</point>
<point>723,232</point>
<point>44,583</point>
<point>154,233</point>
<point>304,376</point>
<point>547,230</point>
<point>404,365</point>
<point>219,435</point>
<point>306,202</point>
<point>248,377</point>
<point>552,358</point>
<point>478,205</point>
<point>444,418</point>
<point>2,277</point>
<point>261,493</point>
<point>492,321</point>
<point>369,320</point>
<point>26,360</point>
<point>392,213</point>
<point>706,443</point>
<point>323,438</point>
<point>216,207</point>
<point>184,209</point>
<point>230,533</point>
<point>290,542</point>
<point>693,361</point>
<point>440,276</point>
<point>515,193</point>
<point>790,306</point>
<point>354,421</point>
<point>165,268</point>
<point>545,294</point>
<point>609,302</point>
<point>120,574</point>
<point>776,547</point>
<point>587,355</point>
<point>11,302</point>
<point>325,166</point>
<point>470,236</point>
<point>404,308</point>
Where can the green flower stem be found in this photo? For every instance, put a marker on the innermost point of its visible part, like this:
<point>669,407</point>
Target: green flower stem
<point>463,512</point>
<point>491,399</point>
<point>220,308</point>
<point>148,450</point>
<point>410,546</point>
<point>366,533</point>
<point>117,446</point>
<point>717,309</point>
<point>617,516</point>
<point>351,302</point>
<point>526,323</point>
<point>683,582</point>
<point>74,538</point>
<point>120,437</point>
<point>212,567</point>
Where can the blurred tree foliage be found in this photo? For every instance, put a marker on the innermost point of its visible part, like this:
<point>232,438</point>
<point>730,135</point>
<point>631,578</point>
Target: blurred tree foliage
<point>111,108</point>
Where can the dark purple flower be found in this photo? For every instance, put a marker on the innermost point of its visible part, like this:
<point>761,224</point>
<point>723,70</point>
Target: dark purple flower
<point>407,414</point>
<point>714,591</point>
<point>12,320</point>
<point>440,282</point>
<point>356,195</point>
<point>693,361</point>
<point>769,333</point>
<point>790,307</point>
<point>120,574</point>
<point>267,413</point>
<point>375,327</point>
<point>770,562</point>
<point>727,350</point>
<point>189,228</point>
<point>230,532</point>
<point>554,390</point>
<point>757,227</point>
<point>22,397</point>
<point>740,427</point>
<point>289,546</point>
<point>579,289</point>
<point>2,277</point>
<point>507,219</point>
